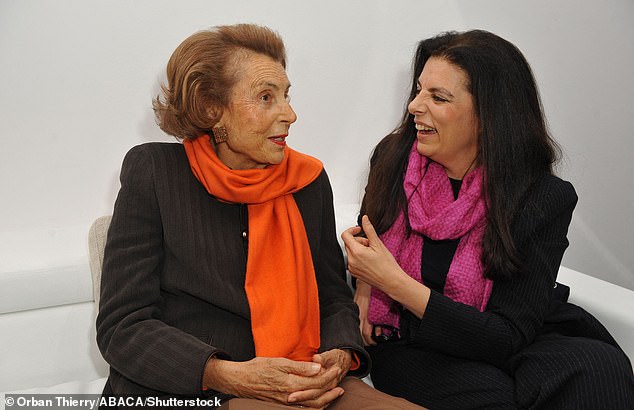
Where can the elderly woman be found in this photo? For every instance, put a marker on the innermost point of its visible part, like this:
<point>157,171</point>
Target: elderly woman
<point>456,273</point>
<point>222,274</point>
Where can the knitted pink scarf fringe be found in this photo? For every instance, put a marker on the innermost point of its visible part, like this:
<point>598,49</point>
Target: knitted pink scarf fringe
<point>433,212</point>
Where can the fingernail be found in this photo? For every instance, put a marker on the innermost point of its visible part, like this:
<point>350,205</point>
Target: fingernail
<point>315,367</point>
<point>291,399</point>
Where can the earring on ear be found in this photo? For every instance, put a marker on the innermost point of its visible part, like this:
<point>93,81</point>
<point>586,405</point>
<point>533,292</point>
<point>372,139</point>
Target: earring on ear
<point>220,134</point>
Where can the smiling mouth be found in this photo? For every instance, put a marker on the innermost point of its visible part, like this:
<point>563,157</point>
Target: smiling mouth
<point>425,130</point>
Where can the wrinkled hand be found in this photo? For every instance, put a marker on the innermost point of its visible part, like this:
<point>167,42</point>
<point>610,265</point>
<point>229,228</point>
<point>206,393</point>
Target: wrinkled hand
<point>275,379</point>
<point>362,299</point>
<point>332,360</point>
<point>368,258</point>
<point>335,358</point>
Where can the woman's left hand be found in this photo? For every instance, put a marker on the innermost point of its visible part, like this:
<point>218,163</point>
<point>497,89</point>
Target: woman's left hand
<point>335,358</point>
<point>368,258</point>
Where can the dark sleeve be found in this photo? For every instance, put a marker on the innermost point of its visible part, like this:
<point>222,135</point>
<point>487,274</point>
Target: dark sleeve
<point>339,313</point>
<point>131,335</point>
<point>517,307</point>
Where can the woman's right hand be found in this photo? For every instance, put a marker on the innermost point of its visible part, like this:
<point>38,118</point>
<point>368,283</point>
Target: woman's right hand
<point>273,379</point>
<point>362,299</point>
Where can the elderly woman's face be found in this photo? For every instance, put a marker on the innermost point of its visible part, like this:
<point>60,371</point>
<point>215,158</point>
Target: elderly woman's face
<point>445,118</point>
<point>259,115</point>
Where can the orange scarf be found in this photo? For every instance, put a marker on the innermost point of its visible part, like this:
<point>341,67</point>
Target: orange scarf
<point>280,280</point>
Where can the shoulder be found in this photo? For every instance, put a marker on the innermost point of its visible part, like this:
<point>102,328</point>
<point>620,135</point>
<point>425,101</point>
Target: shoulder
<point>154,154</point>
<point>317,186</point>
<point>156,150</point>
<point>552,193</point>
<point>548,199</point>
<point>312,199</point>
<point>155,164</point>
<point>322,180</point>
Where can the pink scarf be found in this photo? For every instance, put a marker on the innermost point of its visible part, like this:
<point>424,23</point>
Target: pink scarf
<point>433,212</point>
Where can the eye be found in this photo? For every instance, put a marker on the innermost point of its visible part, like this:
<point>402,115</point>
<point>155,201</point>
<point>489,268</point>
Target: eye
<point>287,98</point>
<point>266,97</point>
<point>438,98</point>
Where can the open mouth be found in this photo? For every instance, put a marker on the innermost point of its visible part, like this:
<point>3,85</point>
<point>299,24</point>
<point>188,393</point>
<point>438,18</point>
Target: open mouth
<point>279,140</point>
<point>425,130</point>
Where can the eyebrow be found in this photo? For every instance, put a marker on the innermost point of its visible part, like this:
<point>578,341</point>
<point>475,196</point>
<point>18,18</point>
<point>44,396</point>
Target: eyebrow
<point>270,84</point>
<point>437,90</point>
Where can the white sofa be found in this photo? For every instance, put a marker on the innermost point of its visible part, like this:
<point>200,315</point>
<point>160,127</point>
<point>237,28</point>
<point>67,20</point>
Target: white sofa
<point>47,333</point>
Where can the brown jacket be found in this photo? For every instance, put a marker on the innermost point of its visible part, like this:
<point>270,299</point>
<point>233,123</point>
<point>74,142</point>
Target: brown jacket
<point>172,291</point>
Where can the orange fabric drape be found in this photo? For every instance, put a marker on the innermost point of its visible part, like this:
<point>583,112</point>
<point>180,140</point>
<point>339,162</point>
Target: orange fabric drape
<point>280,280</point>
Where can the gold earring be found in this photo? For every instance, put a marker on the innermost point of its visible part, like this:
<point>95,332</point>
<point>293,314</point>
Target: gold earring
<point>220,134</point>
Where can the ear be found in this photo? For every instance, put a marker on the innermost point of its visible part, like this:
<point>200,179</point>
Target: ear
<point>215,115</point>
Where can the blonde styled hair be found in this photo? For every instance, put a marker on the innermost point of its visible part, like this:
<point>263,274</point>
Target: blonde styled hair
<point>201,73</point>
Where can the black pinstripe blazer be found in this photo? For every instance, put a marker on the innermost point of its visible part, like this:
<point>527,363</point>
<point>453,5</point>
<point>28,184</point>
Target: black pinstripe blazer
<point>172,291</point>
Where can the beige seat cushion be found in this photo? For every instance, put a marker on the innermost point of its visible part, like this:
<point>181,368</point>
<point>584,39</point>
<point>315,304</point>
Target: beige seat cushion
<point>96,244</point>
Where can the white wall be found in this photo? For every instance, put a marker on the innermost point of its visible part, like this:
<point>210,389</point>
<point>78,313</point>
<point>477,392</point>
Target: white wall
<point>78,78</point>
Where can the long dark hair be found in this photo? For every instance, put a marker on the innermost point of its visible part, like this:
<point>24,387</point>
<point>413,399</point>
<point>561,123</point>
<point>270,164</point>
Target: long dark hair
<point>515,148</point>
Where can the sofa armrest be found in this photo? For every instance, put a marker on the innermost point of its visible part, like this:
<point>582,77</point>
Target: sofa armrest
<point>613,305</point>
<point>49,346</point>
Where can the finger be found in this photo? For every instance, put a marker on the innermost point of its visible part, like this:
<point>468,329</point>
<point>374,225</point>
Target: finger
<point>318,358</point>
<point>370,233</point>
<point>312,388</point>
<point>339,359</point>
<point>326,359</point>
<point>362,241</point>
<point>306,369</point>
<point>326,380</point>
<point>306,395</point>
<point>335,352</point>
<point>352,231</point>
<point>349,234</point>
<point>321,400</point>
<point>363,287</point>
<point>366,332</point>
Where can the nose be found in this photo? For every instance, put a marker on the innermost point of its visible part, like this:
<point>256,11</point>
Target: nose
<point>288,114</point>
<point>418,105</point>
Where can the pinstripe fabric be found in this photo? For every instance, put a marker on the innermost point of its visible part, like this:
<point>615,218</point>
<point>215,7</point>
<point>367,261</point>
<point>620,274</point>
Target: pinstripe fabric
<point>172,292</point>
<point>526,350</point>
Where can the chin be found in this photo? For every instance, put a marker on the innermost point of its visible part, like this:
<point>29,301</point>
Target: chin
<point>423,149</point>
<point>276,159</point>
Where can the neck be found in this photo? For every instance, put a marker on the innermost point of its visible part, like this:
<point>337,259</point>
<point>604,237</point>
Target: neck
<point>459,172</point>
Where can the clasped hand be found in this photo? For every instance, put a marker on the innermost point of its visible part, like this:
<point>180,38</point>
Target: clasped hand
<point>310,384</point>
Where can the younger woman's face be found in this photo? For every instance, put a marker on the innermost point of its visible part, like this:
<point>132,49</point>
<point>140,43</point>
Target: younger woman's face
<point>446,123</point>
